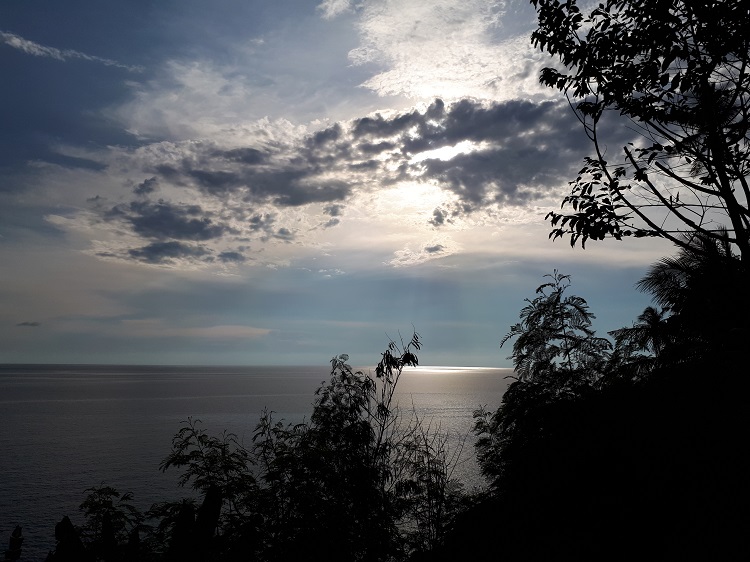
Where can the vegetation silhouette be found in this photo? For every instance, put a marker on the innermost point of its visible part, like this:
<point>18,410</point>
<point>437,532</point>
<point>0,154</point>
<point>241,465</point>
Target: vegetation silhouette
<point>356,482</point>
<point>14,544</point>
<point>676,72</point>
<point>599,450</point>
<point>623,453</point>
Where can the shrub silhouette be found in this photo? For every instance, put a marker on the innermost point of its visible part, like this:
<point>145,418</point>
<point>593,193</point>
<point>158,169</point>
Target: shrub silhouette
<point>355,482</point>
<point>619,463</point>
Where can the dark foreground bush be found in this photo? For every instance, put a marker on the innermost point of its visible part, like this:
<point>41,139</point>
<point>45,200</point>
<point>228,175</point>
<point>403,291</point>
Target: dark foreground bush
<point>356,483</point>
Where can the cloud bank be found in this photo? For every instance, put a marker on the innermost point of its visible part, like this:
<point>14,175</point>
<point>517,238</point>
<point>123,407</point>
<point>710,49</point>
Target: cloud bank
<point>213,202</point>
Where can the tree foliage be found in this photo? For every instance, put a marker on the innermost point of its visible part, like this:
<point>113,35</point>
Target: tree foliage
<point>554,340</point>
<point>557,358</point>
<point>355,482</point>
<point>704,306</point>
<point>677,72</point>
<point>111,521</point>
<point>643,453</point>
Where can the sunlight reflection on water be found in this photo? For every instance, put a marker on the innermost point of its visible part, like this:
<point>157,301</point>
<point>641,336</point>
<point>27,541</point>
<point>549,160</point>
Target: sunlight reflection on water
<point>67,428</point>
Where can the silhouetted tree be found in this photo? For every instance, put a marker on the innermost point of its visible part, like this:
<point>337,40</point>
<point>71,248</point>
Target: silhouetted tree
<point>704,309</point>
<point>619,465</point>
<point>169,537</point>
<point>69,546</point>
<point>554,340</point>
<point>220,468</point>
<point>354,483</point>
<point>110,520</point>
<point>427,495</point>
<point>557,358</point>
<point>14,544</point>
<point>329,483</point>
<point>638,347</point>
<point>677,72</point>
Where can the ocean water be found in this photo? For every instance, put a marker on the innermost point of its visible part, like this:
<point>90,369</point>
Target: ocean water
<point>66,428</point>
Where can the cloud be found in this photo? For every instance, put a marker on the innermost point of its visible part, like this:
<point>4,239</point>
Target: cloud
<point>168,252</point>
<point>284,234</point>
<point>249,156</point>
<point>29,324</point>
<point>332,8</point>
<point>407,256</point>
<point>146,187</point>
<point>231,257</point>
<point>448,48</point>
<point>162,220</point>
<point>152,328</point>
<point>205,201</point>
<point>333,210</point>
<point>329,273</point>
<point>507,153</point>
<point>439,217</point>
<point>37,50</point>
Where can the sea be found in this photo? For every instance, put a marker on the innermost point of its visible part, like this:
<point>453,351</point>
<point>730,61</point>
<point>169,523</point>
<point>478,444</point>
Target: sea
<point>67,428</point>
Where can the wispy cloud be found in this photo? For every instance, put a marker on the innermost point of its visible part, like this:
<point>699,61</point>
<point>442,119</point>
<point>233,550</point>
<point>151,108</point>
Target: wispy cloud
<point>37,50</point>
<point>332,8</point>
<point>28,324</point>
<point>409,256</point>
<point>156,328</point>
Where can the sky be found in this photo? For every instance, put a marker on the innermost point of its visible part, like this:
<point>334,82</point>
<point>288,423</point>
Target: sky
<point>250,182</point>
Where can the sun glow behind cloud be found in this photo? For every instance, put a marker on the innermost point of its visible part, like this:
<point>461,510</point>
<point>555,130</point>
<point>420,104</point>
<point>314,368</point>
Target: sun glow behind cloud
<point>449,152</point>
<point>273,168</point>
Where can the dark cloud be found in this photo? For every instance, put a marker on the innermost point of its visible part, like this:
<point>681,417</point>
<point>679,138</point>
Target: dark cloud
<point>231,257</point>
<point>333,210</point>
<point>380,127</point>
<point>470,120</point>
<point>368,165</point>
<point>436,249</point>
<point>247,156</point>
<point>376,148</point>
<point>261,222</point>
<point>146,187</point>
<point>167,252</point>
<point>284,234</point>
<point>329,135</point>
<point>296,194</point>
<point>292,182</point>
<point>501,175</point>
<point>216,182</point>
<point>439,217</point>
<point>168,172</point>
<point>29,324</point>
<point>163,220</point>
<point>508,153</point>
<point>518,151</point>
<point>265,225</point>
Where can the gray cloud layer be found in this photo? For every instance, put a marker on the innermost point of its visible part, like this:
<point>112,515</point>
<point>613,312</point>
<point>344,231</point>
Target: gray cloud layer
<point>502,154</point>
